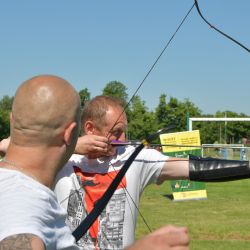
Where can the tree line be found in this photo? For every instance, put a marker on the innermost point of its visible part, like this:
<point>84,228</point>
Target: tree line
<point>169,111</point>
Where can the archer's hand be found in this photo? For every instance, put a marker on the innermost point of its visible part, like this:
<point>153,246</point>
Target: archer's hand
<point>166,238</point>
<point>94,146</point>
<point>4,144</point>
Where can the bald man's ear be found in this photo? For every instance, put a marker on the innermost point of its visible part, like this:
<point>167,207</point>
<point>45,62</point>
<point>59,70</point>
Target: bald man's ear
<point>69,133</point>
<point>89,128</point>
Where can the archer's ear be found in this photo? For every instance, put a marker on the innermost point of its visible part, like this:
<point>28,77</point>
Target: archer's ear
<point>69,133</point>
<point>89,128</point>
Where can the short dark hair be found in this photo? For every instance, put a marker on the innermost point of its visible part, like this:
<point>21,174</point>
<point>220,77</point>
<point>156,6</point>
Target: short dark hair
<point>96,108</point>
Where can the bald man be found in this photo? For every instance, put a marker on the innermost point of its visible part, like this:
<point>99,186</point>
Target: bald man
<point>44,129</point>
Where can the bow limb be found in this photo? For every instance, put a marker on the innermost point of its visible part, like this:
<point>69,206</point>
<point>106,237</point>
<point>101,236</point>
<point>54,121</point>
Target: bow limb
<point>221,32</point>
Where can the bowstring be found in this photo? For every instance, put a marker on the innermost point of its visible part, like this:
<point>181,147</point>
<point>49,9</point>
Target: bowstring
<point>151,68</point>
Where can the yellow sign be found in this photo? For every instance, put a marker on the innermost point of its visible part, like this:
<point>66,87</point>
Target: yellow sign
<point>181,144</point>
<point>189,138</point>
<point>190,195</point>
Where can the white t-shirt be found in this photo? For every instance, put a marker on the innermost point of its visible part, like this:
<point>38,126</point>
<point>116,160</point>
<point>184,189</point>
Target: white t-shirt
<point>83,181</point>
<point>28,207</point>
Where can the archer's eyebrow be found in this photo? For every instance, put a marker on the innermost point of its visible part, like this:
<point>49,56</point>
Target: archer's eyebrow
<point>119,127</point>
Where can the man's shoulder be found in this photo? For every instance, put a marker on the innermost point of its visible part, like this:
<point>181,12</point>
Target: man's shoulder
<point>76,158</point>
<point>68,168</point>
<point>151,153</point>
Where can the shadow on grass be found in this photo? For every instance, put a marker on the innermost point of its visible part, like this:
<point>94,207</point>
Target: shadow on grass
<point>169,196</point>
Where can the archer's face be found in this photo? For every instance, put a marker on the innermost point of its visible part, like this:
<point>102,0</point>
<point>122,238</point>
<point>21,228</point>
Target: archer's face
<point>110,131</point>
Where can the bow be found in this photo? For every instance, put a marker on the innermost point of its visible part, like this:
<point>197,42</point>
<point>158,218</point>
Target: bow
<point>102,202</point>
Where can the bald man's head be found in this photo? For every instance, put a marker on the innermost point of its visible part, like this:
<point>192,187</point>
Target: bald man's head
<point>43,107</point>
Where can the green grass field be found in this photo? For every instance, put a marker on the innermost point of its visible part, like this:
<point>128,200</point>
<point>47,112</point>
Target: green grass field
<point>220,222</point>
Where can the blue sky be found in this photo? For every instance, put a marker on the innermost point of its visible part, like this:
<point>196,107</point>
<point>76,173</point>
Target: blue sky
<point>90,43</point>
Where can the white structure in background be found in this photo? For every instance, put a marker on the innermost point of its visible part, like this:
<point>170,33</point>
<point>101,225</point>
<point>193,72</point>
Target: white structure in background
<point>241,147</point>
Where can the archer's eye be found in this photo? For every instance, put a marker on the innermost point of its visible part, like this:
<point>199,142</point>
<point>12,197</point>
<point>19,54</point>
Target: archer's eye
<point>117,133</point>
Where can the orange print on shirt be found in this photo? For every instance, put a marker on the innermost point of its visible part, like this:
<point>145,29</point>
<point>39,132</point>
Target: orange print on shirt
<point>95,185</point>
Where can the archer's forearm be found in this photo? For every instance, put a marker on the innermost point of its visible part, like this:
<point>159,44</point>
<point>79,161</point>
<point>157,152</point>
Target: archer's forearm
<point>217,170</point>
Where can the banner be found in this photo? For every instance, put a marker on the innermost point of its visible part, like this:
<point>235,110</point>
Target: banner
<point>175,146</point>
